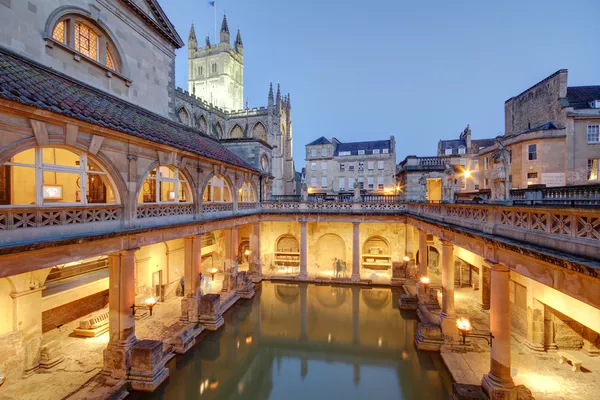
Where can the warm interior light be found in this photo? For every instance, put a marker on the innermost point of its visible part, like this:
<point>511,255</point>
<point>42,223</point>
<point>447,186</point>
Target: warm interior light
<point>248,339</point>
<point>425,280</point>
<point>247,252</point>
<point>463,324</point>
<point>406,258</point>
<point>213,271</point>
<point>467,173</point>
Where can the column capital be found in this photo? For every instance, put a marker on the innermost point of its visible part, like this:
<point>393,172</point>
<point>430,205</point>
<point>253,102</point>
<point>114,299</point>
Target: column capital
<point>355,223</point>
<point>302,222</point>
<point>498,267</point>
<point>446,242</point>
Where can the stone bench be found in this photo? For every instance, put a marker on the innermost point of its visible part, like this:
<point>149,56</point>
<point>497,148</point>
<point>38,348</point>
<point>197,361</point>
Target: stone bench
<point>564,356</point>
<point>94,324</point>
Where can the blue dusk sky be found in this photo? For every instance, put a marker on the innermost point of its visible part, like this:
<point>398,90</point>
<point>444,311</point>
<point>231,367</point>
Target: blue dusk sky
<point>418,70</point>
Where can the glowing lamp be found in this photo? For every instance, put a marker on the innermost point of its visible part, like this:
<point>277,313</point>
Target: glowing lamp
<point>213,271</point>
<point>150,302</point>
<point>406,258</point>
<point>425,281</point>
<point>247,252</point>
<point>467,174</point>
<point>248,339</point>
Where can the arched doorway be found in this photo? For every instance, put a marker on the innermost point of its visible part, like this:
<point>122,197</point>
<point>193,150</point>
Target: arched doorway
<point>376,254</point>
<point>287,255</point>
<point>433,260</point>
<point>331,256</point>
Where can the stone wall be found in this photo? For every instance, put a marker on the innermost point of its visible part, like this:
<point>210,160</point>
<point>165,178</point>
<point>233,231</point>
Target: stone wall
<point>537,105</point>
<point>518,308</point>
<point>74,310</point>
<point>12,354</point>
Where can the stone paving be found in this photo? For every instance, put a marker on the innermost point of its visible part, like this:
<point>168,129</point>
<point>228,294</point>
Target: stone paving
<point>84,357</point>
<point>539,372</point>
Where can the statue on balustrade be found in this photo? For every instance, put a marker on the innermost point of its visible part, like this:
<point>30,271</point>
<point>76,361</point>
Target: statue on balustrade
<point>500,160</point>
<point>449,185</point>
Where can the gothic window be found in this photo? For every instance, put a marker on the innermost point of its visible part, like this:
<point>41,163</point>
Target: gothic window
<point>214,68</point>
<point>183,115</point>
<point>219,130</point>
<point>202,124</point>
<point>51,175</point>
<point>217,190</point>
<point>165,184</point>
<point>264,163</point>
<point>86,38</point>
<point>259,132</point>
<point>237,132</point>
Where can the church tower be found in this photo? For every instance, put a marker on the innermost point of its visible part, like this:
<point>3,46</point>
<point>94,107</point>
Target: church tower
<point>216,71</point>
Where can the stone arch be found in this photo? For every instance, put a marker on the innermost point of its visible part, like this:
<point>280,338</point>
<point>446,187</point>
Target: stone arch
<point>288,294</point>
<point>260,132</point>
<point>330,296</point>
<point>113,178</point>
<point>202,125</point>
<point>330,247</point>
<point>376,299</point>
<point>377,242</point>
<point>287,243</point>
<point>184,116</point>
<point>236,132</point>
<point>247,193</point>
<point>207,189</point>
<point>64,11</point>
<point>433,259</point>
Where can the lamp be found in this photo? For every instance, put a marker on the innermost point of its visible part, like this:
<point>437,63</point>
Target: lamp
<point>213,271</point>
<point>467,173</point>
<point>247,252</point>
<point>149,304</point>
<point>464,326</point>
<point>425,281</point>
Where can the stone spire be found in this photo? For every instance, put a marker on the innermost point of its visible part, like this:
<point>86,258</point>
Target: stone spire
<point>192,35</point>
<point>271,94</point>
<point>238,39</point>
<point>278,98</point>
<point>208,41</point>
<point>224,36</point>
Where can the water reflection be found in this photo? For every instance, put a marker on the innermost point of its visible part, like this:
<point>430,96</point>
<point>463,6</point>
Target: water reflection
<point>309,341</point>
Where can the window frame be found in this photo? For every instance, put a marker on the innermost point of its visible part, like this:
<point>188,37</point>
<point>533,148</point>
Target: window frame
<point>83,171</point>
<point>176,180</point>
<point>530,153</point>
<point>597,134</point>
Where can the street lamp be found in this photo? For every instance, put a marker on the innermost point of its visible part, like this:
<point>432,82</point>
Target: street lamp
<point>467,174</point>
<point>149,304</point>
<point>465,328</point>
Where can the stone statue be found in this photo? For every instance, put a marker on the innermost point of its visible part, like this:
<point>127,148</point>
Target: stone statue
<point>449,186</point>
<point>499,168</point>
<point>423,187</point>
<point>304,191</point>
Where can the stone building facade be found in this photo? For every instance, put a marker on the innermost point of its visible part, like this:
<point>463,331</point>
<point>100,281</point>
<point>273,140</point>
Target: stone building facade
<point>335,167</point>
<point>552,132</point>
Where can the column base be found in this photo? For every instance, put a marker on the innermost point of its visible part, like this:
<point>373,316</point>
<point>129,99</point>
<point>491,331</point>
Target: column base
<point>303,276</point>
<point>355,278</point>
<point>245,287</point>
<point>210,312</point>
<point>498,389</point>
<point>448,324</point>
<point>183,337</point>
<point>117,361</point>
<point>397,281</point>
<point>148,369</point>
<point>535,346</point>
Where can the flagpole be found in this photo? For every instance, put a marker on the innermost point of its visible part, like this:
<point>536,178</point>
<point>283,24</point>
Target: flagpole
<point>216,21</point>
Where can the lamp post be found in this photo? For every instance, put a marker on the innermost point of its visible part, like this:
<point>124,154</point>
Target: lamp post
<point>464,327</point>
<point>406,260</point>
<point>149,304</point>
<point>212,272</point>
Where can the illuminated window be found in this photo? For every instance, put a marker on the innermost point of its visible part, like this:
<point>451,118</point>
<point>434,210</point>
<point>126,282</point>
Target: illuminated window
<point>165,185</point>
<point>217,191</point>
<point>87,39</point>
<point>593,171</point>
<point>59,32</point>
<point>532,152</point>
<point>53,175</point>
<point>246,193</point>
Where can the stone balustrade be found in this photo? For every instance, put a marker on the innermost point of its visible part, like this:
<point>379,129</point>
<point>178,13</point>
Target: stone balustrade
<point>29,217</point>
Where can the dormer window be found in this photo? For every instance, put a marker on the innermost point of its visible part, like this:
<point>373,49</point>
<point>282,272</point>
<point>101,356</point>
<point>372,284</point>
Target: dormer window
<point>448,152</point>
<point>87,39</point>
<point>461,150</point>
<point>595,104</point>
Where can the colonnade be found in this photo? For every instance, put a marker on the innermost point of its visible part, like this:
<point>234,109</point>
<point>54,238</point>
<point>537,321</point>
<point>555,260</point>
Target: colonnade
<point>497,383</point>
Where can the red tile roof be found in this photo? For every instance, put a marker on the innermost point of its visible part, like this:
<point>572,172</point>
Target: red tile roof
<point>29,83</point>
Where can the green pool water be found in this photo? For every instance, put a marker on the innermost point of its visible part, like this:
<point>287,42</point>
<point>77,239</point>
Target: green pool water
<point>305,341</point>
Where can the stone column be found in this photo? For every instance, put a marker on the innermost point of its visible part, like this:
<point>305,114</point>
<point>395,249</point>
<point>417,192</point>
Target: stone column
<point>303,251</point>
<point>121,298</point>
<point>27,306</point>
<point>422,260</point>
<point>255,262</point>
<point>498,383</point>
<point>230,267</point>
<point>355,252</point>
<point>448,316</point>
<point>484,286</point>
<point>193,266</point>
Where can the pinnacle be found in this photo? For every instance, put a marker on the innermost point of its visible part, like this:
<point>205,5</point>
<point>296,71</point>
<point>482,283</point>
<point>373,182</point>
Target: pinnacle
<point>271,91</point>
<point>192,35</point>
<point>224,26</point>
<point>238,39</point>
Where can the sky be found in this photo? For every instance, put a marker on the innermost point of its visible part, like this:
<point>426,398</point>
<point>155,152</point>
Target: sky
<point>418,70</point>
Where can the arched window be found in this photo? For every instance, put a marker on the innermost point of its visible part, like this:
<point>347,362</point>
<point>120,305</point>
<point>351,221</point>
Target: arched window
<point>219,130</point>
<point>237,132</point>
<point>183,115</point>
<point>165,184</point>
<point>246,193</point>
<point>264,163</point>
<point>217,191</point>
<point>51,175</point>
<point>259,132</point>
<point>202,124</point>
<point>86,38</point>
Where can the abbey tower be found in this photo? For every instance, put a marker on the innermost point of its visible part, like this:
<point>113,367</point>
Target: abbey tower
<point>216,71</point>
